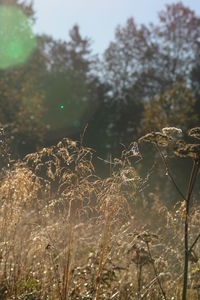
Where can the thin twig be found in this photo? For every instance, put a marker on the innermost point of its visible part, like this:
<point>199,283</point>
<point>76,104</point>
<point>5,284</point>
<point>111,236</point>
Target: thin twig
<point>83,134</point>
<point>169,172</point>
<point>194,243</point>
<point>156,273</point>
<point>191,184</point>
<point>148,287</point>
<point>101,263</point>
<point>69,249</point>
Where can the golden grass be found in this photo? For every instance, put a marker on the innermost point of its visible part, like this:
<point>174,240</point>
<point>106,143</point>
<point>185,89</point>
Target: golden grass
<point>67,234</point>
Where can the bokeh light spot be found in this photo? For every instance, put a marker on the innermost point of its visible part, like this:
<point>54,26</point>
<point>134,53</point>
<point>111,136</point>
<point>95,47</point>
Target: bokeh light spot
<point>16,36</point>
<point>14,50</point>
<point>67,90</point>
<point>76,123</point>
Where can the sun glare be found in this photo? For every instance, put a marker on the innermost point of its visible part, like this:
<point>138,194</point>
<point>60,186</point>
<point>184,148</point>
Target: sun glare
<point>17,39</point>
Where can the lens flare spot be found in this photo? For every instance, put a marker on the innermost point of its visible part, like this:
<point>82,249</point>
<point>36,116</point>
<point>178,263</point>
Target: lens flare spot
<point>16,36</point>
<point>76,123</point>
<point>14,50</point>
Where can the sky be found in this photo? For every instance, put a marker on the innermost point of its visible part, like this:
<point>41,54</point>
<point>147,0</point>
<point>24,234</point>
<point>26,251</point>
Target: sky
<point>97,19</point>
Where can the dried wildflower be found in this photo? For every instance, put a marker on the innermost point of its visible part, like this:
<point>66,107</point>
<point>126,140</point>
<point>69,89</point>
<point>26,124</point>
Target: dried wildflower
<point>132,151</point>
<point>157,138</point>
<point>147,237</point>
<point>139,255</point>
<point>59,164</point>
<point>172,132</point>
<point>187,150</point>
<point>194,132</point>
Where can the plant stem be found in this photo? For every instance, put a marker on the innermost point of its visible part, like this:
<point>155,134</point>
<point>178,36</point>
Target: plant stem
<point>156,273</point>
<point>169,172</point>
<point>69,248</point>
<point>139,275</point>
<point>194,243</point>
<point>191,184</point>
<point>101,263</point>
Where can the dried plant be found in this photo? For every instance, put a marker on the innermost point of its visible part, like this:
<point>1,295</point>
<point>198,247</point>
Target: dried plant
<point>183,150</point>
<point>65,233</point>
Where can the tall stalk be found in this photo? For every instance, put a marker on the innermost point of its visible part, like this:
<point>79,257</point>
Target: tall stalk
<point>191,184</point>
<point>139,278</point>
<point>102,259</point>
<point>156,273</point>
<point>66,274</point>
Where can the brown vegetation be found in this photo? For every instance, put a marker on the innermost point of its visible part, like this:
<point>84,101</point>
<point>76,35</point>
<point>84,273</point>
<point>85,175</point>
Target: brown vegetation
<point>67,234</point>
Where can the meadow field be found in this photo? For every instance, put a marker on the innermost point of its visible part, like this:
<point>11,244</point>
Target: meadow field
<point>66,233</point>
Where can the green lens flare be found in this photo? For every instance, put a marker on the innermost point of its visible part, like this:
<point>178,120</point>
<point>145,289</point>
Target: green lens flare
<point>17,41</point>
<point>76,123</point>
<point>14,50</point>
<point>74,107</point>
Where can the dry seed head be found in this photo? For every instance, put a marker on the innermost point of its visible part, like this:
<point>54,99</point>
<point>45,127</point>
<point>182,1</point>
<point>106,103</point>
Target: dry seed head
<point>187,150</point>
<point>20,186</point>
<point>157,138</point>
<point>139,255</point>
<point>194,132</point>
<point>172,132</point>
<point>61,164</point>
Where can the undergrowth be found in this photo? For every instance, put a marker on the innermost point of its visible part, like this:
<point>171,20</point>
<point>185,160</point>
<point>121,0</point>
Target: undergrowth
<point>65,233</point>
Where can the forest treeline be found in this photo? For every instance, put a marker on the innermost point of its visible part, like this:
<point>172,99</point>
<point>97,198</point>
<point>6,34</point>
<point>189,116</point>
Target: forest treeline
<point>147,78</point>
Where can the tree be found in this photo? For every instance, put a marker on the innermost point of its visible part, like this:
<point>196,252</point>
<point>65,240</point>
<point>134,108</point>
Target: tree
<point>20,95</point>
<point>195,79</point>
<point>145,61</point>
<point>178,34</point>
<point>175,107</point>
<point>69,84</point>
<point>27,8</point>
<point>153,57</point>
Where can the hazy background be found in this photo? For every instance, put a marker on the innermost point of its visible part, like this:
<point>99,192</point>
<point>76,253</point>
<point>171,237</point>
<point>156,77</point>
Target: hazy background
<point>119,68</point>
<point>97,18</point>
